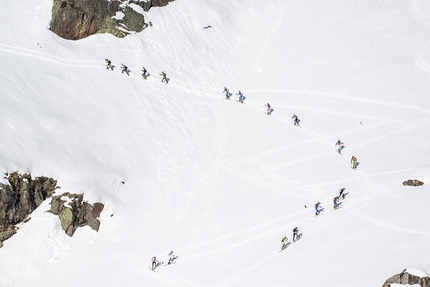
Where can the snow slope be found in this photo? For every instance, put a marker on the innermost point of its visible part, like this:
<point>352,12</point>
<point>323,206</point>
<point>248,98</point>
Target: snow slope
<point>220,182</point>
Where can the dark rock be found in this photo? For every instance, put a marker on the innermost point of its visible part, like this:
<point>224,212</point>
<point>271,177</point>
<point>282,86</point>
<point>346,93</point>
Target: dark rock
<point>57,204</point>
<point>98,208</point>
<point>77,19</point>
<point>6,233</point>
<point>407,279</point>
<point>22,196</point>
<point>79,213</point>
<point>67,219</point>
<point>412,182</point>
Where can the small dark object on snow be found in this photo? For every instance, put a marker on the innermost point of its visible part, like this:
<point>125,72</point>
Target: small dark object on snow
<point>412,182</point>
<point>208,26</point>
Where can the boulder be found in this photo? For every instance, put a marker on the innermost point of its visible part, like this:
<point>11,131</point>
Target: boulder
<point>78,213</point>
<point>77,19</point>
<point>67,218</point>
<point>412,182</point>
<point>22,196</point>
<point>406,278</point>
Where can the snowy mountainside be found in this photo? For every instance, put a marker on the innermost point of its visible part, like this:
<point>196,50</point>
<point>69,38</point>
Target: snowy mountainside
<point>216,181</point>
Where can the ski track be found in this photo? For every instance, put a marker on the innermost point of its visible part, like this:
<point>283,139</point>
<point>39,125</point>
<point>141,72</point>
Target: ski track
<point>276,9</point>
<point>48,57</point>
<point>341,96</point>
<point>371,188</point>
<point>213,175</point>
<point>268,229</point>
<point>157,275</point>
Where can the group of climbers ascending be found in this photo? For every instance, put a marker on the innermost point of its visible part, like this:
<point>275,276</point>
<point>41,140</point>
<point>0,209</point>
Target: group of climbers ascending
<point>145,73</point>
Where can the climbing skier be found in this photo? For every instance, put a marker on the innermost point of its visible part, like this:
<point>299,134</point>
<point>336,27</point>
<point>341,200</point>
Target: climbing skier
<point>339,146</point>
<point>227,93</point>
<point>295,234</point>
<point>154,263</point>
<point>342,193</point>
<point>284,242</point>
<point>144,71</point>
<point>124,69</point>
<point>269,109</point>
<point>353,162</point>
<point>164,75</point>
<point>336,203</point>
<point>317,208</point>
<point>172,257</point>
<point>109,64</point>
<point>295,120</point>
<point>241,96</point>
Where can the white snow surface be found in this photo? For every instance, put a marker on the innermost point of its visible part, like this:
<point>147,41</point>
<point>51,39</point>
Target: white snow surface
<point>219,182</point>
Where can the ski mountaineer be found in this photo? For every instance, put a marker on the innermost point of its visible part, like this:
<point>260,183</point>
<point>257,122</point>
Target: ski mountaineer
<point>227,93</point>
<point>164,75</point>
<point>284,242</point>
<point>341,193</point>
<point>269,109</point>
<point>336,204</point>
<point>295,234</point>
<point>353,162</point>
<point>124,69</point>
<point>109,64</point>
<point>339,146</point>
<point>241,96</point>
<point>154,263</point>
<point>317,208</point>
<point>295,120</point>
<point>172,257</point>
<point>144,71</point>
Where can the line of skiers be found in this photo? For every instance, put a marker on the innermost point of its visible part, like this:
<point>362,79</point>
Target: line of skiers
<point>155,262</point>
<point>145,73</point>
<point>228,95</point>
<point>339,147</point>
<point>296,236</point>
<point>336,202</point>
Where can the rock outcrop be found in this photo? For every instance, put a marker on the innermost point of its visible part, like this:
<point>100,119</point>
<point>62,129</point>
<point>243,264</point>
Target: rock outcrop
<point>77,19</point>
<point>78,214</point>
<point>21,197</point>
<point>412,182</point>
<point>407,279</point>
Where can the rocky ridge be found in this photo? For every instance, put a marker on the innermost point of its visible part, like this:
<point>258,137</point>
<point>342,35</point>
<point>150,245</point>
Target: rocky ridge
<point>23,194</point>
<point>77,19</point>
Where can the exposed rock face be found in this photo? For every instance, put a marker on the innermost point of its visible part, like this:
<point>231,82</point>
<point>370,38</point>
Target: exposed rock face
<point>413,182</point>
<point>21,197</point>
<point>80,212</point>
<point>406,278</point>
<point>77,19</point>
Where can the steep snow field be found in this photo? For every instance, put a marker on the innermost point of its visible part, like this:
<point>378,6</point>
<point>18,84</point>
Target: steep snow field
<point>219,182</point>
